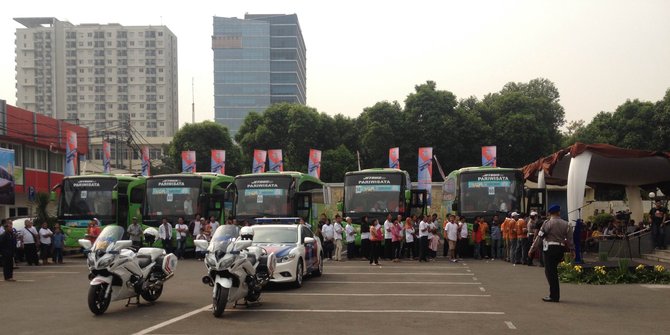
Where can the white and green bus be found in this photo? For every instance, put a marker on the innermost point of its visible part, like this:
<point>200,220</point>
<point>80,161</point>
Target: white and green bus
<point>277,195</point>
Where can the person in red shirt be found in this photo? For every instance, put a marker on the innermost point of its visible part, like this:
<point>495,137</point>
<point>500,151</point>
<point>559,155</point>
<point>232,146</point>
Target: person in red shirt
<point>93,230</point>
<point>477,237</point>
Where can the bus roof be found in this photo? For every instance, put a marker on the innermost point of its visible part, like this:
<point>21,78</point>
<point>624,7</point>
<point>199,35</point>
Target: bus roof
<point>302,177</point>
<point>126,177</point>
<point>376,170</point>
<point>196,175</point>
<point>482,169</point>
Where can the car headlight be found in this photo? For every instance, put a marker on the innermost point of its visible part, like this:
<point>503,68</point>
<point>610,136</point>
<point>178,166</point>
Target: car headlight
<point>105,261</point>
<point>286,258</point>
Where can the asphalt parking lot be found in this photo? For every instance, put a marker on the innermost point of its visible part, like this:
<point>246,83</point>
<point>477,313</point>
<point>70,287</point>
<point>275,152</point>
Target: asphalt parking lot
<point>470,297</point>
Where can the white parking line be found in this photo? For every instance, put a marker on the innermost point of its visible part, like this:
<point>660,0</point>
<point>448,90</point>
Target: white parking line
<point>400,273</point>
<point>48,272</point>
<point>395,267</point>
<point>510,325</point>
<point>380,294</point>
<point>368,311</point>
<point>173,320</point>
<point>208,307</point>
<point>655,286</point>
<point>393,282</point>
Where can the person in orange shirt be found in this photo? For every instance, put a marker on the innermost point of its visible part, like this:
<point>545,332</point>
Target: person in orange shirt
<point>522,241</point>
<point>504,228</point>
<point>512,238</point>
<point>484,231</point>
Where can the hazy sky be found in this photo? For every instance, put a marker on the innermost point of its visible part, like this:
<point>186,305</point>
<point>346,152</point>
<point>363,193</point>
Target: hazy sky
<point>598,53</point>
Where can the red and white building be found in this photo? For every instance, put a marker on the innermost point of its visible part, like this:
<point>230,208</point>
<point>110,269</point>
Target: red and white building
<point>39,144</point>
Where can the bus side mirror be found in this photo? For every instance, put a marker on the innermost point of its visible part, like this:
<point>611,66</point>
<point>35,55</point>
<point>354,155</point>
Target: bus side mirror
<point>454,207</point>
<point>52,196</point>
<point>115,195</point>
<point>408,196</point>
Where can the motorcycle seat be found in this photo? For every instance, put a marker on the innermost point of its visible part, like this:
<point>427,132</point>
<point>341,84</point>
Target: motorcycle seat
<point>143,260</point>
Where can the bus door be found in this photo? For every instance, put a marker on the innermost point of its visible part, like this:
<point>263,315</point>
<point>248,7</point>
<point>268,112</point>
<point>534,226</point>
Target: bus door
<point>418,202</point>
<point>229,200</point>
<point>221,204</point>
<point>303,205</point>
<point>536,200</point>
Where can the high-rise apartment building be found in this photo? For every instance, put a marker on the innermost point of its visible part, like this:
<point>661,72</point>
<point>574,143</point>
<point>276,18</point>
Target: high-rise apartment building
<point>258,61</point>
<point>106,77</point>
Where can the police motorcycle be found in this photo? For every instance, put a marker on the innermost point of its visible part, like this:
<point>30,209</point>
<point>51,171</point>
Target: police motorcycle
<point>235,269</point>
<point>118,272</point>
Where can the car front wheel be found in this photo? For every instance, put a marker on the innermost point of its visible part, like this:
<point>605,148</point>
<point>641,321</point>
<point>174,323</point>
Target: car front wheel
<point>298,275</point>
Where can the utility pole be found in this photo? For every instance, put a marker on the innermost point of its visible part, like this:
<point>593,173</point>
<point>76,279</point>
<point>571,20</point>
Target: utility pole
<point>192,100</point>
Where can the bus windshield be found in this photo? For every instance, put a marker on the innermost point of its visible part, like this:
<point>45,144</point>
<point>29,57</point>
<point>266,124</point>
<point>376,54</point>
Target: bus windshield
<point>263,196</point>
<point>87,197</point>
<point>172,196</point>
<point>372,193</point>
<point>490,191</point>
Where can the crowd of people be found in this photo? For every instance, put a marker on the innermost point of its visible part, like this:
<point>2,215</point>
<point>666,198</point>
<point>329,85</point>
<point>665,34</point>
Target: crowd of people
<point>30,245</point>
<point>420,237</point>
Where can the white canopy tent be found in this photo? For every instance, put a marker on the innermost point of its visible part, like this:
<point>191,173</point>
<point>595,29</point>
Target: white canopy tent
<point>582,164</point>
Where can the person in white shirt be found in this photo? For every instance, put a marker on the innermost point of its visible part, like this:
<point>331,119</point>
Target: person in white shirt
<point>388,237</point>
<point>338,230</point>
<point>452,236</point>
<point>182,234</point>
<point>350,232</point>
<point>462,243</point>
<point>165,235</point>
<point>328,239</point>
<point>30,240</point>
<point>410,235</point>
<point>423,240</point>
<point>433,238</point>
<point>45,243</point>
<point>213,223</point>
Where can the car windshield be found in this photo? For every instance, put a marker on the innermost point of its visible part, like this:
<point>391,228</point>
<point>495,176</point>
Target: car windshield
<point>224,236</point>
<point>275,234</point>
<point>109,235</point>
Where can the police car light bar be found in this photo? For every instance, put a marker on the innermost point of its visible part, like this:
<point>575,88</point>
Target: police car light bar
<point>286,220</point>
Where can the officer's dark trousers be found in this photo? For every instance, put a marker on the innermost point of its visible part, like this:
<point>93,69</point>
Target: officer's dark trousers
<point>552,257</point>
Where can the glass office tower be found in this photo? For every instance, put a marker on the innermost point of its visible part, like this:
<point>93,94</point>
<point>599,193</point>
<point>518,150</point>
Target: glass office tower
<point>258,61</point>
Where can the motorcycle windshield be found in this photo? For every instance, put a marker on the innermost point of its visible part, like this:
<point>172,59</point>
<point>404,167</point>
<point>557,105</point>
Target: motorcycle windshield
<point>223,237</point>
<point>109,235</point>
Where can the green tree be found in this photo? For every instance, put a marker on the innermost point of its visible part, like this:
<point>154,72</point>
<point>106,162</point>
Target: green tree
<point>380,128</point>
<point>294,128</point>
<point>631,126</point>
<point>202,138</point>
<point>525,119</point>
<point>339,161</point>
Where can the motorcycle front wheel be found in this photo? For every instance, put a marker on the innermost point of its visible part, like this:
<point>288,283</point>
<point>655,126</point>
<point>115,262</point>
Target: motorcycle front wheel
<point>152,294</point>
<point>97,302</point>
<point>220,300</point>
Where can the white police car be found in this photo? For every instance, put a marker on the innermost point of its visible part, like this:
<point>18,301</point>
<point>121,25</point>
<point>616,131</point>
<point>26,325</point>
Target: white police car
<point>298,251</point>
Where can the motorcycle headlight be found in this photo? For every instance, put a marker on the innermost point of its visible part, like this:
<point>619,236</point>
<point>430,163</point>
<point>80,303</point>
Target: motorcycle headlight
<point>105,261</point>
<point>286,258</point>
<point>210,260</point>
<point>227,262</point>
<point>90,260</point>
